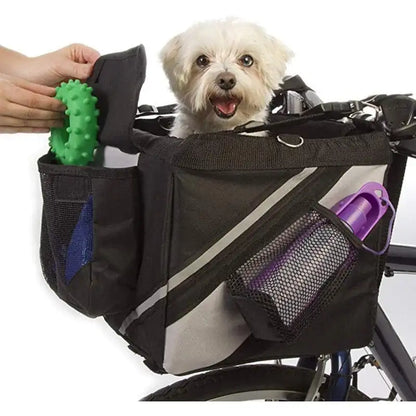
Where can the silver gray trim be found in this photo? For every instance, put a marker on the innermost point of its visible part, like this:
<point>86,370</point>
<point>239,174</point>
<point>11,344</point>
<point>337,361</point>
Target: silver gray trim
<point>351,181</point>
<point>143,307</point>
<point>219,246</point>
<point>206,335</point>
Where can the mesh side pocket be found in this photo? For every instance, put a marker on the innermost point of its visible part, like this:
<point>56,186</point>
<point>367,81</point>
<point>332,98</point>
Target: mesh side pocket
<point>64,199</point>
<point>282,287</point>
<point>90,239</point>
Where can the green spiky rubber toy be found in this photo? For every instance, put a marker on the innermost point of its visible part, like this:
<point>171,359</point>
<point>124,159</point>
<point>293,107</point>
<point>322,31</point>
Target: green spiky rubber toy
<point>74,143</point>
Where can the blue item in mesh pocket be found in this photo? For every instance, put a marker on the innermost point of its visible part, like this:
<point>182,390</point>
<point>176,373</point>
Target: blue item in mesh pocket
<point>79,251</point>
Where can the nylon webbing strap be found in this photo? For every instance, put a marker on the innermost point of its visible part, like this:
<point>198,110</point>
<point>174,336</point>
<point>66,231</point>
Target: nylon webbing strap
<point>294,83</point>
<point>324,111</point>
<point>150,110</point>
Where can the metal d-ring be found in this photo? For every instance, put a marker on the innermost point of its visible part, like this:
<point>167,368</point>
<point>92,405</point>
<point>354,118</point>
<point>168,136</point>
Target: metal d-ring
<point>301,141</point>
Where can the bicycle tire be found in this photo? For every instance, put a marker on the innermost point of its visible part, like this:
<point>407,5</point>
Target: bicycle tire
<point>264,381</point>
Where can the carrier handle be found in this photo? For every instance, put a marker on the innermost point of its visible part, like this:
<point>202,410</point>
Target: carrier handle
<point>116,80</point>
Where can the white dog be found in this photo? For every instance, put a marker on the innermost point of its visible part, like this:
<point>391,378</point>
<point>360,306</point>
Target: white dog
<point>223,74</point>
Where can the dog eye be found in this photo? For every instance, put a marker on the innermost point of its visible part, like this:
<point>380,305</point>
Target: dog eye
<point>247,60</point>
<point>202,61</point>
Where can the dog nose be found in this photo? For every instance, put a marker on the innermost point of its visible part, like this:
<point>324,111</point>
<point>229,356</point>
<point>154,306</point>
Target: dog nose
<point>226,80</point>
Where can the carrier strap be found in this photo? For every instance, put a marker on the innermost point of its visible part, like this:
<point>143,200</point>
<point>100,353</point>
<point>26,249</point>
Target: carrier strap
<point>292,83</point>
<point>150,110</point>
<point>325,111</point>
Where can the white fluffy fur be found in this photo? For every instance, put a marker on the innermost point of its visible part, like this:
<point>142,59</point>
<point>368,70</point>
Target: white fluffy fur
<point>223,42</point>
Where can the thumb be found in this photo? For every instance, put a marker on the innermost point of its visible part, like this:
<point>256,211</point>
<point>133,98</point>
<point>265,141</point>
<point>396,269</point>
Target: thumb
<point>72,69</point>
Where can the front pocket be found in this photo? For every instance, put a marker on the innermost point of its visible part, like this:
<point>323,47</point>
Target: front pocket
<point>283,287</point>
<point>90,241</point>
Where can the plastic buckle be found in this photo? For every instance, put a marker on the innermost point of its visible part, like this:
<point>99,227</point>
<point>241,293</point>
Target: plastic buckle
<point>336,109</point>
<point>146,110</point>
<point>398,112</point>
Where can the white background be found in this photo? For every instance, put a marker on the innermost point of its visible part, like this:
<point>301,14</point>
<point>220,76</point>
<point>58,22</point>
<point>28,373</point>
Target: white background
<point>56,361</point>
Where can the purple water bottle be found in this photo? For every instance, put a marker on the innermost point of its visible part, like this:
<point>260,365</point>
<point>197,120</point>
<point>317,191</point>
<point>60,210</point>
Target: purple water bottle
<point>362,210</point>
<point>293,279</point>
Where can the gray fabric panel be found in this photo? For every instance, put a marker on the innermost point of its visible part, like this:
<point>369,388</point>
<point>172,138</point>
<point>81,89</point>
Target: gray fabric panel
<point>352,180</point>
<point>205,336</point>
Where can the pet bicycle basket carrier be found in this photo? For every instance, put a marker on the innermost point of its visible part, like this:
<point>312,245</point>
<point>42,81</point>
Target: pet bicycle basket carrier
<point>177,252</point>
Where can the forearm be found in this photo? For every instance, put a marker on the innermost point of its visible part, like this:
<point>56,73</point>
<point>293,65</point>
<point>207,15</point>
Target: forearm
<point>11,62</point>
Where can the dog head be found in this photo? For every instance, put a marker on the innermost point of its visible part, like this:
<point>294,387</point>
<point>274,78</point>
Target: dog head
<point>224,71</point>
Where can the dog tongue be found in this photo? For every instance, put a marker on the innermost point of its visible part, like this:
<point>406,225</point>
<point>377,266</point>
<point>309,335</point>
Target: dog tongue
<point>225,105</point>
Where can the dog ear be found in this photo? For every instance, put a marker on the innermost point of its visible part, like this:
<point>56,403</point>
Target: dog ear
<point>173,65</point>
<point>282,49</point>
<point>170,52</point>
<point>280,55</point>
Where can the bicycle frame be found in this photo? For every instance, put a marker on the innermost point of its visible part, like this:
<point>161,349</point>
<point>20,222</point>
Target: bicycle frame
<point>386,346</point>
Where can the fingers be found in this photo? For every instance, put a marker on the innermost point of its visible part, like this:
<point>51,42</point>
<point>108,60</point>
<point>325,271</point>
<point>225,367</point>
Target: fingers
<point>31,86</point>
<point>27,107</point>
<point>17,122</point>
<point>90,55</point>
<point>30,99</point>
<point>12,130</point>
<point>79,62</point>
<point>23,112</point>
<point>75,70</point>
<point>83,54</point>
<point>37,88</point>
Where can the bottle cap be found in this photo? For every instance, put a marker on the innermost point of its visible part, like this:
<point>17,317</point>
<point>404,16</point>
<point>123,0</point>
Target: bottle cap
<point>355,214</point>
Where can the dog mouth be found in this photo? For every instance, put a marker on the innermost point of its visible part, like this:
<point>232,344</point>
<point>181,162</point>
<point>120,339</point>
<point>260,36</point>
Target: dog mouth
<point>224,106</point>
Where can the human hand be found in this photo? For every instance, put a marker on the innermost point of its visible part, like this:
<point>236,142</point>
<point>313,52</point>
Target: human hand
<point>73,61</point>
<point>27,107</point>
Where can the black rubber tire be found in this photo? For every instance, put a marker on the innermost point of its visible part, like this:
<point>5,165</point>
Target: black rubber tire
<point>220,383</point>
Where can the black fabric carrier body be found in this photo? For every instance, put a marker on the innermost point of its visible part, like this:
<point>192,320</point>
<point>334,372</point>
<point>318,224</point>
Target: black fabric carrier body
<point>198,256</point>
